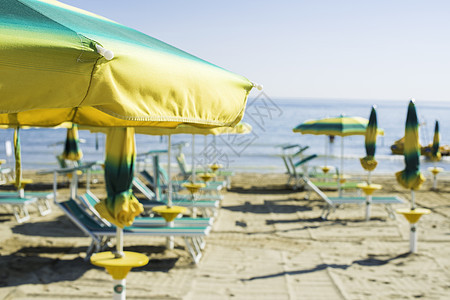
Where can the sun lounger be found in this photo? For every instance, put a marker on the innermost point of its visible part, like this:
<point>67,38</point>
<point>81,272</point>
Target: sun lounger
<point>207,207</point>
<point>42,202</point>
<point>181,161</point>
<point>334,202</point>
<point>101,234</point>
<point>19,206</point>
<point>296,175</point>
<point>150,194</point>
<point>89,200</point>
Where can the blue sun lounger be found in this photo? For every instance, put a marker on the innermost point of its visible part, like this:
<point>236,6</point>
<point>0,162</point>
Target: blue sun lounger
<point>42,203</point>
<point>89,200</point>
<point>19,206</point>
<point>206,206</point>
<point>102,233</point>
<point>334,202</point>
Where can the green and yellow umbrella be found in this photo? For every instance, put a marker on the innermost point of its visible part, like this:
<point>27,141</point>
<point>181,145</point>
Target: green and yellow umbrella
<point>341,126</point>
<point>411,177</point>
<point>72,150</point>
<point>18,159</point>
<point>435,153</point>
<point>368,162</point>
<point>59,63</point>
<point>120,207</point>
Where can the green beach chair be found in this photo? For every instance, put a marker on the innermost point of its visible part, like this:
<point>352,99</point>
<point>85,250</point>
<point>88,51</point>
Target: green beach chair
<point>334,202</point>
<point>101,234</point>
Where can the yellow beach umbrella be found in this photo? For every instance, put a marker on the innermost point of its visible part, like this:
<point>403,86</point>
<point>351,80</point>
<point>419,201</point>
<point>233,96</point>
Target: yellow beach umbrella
<point>55,67</point>
<point>59,63</point>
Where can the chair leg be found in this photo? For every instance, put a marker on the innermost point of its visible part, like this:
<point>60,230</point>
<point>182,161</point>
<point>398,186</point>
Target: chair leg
<point>390,211</point>
<point>44,207</point>
<point>193,249</point>
<point>21,213</point>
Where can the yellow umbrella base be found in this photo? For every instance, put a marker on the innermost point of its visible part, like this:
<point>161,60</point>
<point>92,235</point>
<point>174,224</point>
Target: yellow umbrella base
<point>193,187</point>
<point>325,169</point>
<point>215,167</point>
<point>118,268</point>
<point>23,182</point>
<point>435,171</point>
<point>413,215</point>
<point>207,176</point>
<point>169,213</point>
<point>368,189</point>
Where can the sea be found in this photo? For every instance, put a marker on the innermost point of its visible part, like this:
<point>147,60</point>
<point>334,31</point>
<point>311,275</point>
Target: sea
<point>272,121</point>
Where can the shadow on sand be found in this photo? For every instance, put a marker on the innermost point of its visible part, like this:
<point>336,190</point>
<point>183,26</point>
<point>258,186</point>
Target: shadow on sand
<point>371,261</point>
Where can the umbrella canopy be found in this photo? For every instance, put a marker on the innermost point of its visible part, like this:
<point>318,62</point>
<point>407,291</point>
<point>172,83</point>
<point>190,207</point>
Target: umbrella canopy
<point>368,162</point>
<point>54,52</point>
<point>411,177</point>
<point>435,153</point>
<point>120,207</point>
<point>72,150</point>
<point>340,126</point>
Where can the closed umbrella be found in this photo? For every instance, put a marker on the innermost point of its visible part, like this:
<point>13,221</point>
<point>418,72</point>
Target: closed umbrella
<point>72,150</point>
<point>435,154</point>
<point>18,159</point>
<point>411,177</point>
<point>368,162</point>
<point>121,206</point>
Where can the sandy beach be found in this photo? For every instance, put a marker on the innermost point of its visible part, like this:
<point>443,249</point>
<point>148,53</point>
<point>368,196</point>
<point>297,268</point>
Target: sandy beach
<point>267,242</point>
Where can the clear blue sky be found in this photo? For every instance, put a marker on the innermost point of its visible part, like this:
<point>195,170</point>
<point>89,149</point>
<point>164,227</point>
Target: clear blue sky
<point>384,49</point>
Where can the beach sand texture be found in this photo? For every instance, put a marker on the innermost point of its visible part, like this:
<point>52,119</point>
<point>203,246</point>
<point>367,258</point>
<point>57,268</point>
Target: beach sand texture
<point>267,242</point>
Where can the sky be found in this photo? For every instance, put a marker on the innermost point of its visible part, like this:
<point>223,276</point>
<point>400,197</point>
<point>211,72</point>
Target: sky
<point>380,50</point>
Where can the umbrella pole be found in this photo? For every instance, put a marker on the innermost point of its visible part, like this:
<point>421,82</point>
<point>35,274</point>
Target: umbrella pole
<point>170,244</point>
<point>119,243</point>
<point>326,149</point>
<point>169,188</point>
<point>341,172</point>
<point>413,202</point>
<point>156,174</point>
<point>193,159</point>
<point>205,157</point>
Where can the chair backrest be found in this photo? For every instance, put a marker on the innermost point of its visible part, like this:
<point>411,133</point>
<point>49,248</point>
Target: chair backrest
<point>181,160</point>
<point>81,218</point>
<point>141,187</point>
<point>89,200</point>
<point>317,190</point>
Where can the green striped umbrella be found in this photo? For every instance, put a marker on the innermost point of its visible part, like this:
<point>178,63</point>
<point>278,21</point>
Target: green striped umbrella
<point>368,162</point>
<point>340,126</point>
<point>120,207</point>
<point>411,177</point>
<point>435,153</point>
<point>72,150</point>
<point>60,63</point>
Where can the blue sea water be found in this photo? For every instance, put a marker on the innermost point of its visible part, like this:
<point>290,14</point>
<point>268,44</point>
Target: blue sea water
<point>272,121</point>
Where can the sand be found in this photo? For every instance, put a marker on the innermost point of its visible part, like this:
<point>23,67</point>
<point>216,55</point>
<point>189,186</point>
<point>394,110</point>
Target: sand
<point>267,242</point>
